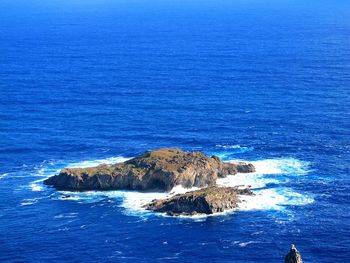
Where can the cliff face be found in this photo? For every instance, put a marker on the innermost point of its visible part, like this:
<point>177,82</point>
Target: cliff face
<point>205,201</point>
<point>154,170</point>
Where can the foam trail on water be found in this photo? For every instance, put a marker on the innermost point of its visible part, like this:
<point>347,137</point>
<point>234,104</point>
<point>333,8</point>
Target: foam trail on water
<point>226,152</point>
<point>235,146</point>
<point>29,201</point>
<point>244,244</point>
<point>132,201</point>
<point>3,175</point>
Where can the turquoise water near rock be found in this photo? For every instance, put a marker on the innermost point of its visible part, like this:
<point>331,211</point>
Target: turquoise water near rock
<point>89,82</point>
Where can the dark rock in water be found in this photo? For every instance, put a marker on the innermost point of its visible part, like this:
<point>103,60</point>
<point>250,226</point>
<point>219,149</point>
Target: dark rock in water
<point>204,201</point>
<point>293,256</point>
<point>154,170</point>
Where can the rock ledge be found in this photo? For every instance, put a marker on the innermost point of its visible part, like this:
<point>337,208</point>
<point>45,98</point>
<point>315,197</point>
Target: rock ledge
<point>160,170</point>
<point>204,201</point>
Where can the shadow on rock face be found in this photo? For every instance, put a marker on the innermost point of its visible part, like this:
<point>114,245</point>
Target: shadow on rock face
<point>209,200</point>
<point>293,256</point>
<point>159,170</point>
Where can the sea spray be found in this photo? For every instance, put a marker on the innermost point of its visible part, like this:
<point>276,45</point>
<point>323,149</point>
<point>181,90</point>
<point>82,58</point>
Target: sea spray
<point>268,172</point>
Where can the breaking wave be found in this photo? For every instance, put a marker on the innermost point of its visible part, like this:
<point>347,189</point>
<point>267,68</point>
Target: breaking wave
<point>111,160</point>
<point>3,175</point>
<point>227,152</point>
<point>267,183</point>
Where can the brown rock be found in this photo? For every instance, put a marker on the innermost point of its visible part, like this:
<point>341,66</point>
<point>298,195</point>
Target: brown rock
<point>293,256</point>
<point>204,201</point>
<point>154,170</point>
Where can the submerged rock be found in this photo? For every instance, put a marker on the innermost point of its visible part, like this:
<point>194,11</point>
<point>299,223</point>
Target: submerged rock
<point>204,201</point>
<point>293,256</point>
<point>154,170</point>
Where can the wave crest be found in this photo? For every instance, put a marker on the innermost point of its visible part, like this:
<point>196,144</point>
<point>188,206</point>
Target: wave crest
<point>267,183</point>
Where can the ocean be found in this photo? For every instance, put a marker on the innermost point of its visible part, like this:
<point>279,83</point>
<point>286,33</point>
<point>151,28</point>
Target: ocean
<point>90,82</point>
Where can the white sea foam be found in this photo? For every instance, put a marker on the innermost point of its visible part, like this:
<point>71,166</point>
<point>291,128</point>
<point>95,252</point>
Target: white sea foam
<point>29,201</point>
<point>281,166</point>
<point>235,146</point>
<point>37,186</point>
<point>40,172</point>
<point>228,150</point>
<point>252,180</point>
<point>132,201</point>
<point>244,244</point>
<point>66,215</point>
<point>3,175</point>
<point>273,199</point>
<point>269,171</point>
<point>93,163</point>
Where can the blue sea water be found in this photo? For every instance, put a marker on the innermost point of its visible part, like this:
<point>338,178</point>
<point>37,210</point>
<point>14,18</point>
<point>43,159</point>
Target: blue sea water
<point>88,82</point>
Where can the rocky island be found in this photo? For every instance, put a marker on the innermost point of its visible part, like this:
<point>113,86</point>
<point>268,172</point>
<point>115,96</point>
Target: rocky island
<point>293,256</point>
<point>209,200</point>
<point>161,170</point>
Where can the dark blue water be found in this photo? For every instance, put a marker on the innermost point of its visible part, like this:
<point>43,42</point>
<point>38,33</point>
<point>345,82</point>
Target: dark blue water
<point>265,81</point>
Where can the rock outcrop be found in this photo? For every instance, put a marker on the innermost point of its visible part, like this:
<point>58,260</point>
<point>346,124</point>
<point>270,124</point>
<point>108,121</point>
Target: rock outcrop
<point>293,256</point>
<point>154,170</point>
<point>209,200</point>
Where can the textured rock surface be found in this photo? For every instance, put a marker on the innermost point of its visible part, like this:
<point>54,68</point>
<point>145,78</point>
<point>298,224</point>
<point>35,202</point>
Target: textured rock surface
<point>293,256</point>
<point>154,170</point>
<point>204,201</point>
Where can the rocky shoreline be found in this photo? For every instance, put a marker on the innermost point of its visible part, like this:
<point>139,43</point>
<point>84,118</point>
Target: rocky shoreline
<point>209,200</point>
<point>161,170</point>
<point>158,170</point>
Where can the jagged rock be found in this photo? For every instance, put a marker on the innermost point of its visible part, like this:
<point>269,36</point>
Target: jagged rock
<point>204,201</point>
<point>154,170</point>
<point>293,256</point>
